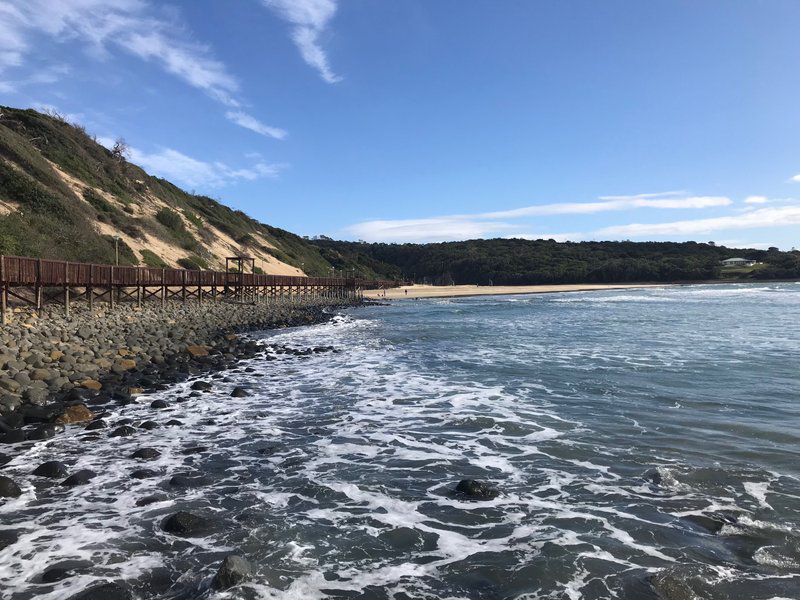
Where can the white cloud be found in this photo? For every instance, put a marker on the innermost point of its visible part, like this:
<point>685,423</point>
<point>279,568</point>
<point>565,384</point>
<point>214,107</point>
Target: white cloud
<point>177,167</point>
<point>756,200</point>
<point>796,178</point>
<point>668,200</point>
<point>439,229</point>
<point>247,121</point>
<point>309,18</point>
<point>127,25</point>
<point>762,217</point>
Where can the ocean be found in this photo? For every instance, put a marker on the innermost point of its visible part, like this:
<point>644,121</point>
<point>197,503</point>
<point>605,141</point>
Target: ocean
<point>645,444</point>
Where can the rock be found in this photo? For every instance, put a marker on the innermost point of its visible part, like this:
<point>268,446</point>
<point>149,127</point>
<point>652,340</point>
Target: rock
<point>79,478</point>
<point>9,488</point>
<point>158,404</point>
<point>173,423</point>
<point>4,459</point>
<point>41,375</point>
<point>187,482</point>
<point>146,453</point>
<point>194,450</point>
<point>186,524</point>
<point>201,385</point>
<point>148,425</point>
<point>77,413</point>
<point>98,424</point>
<point>7,538</point>
<point>148,500</point>
<point>51,468</point>
<point>135,391</point>
<point>43,432</point>
<point>103,591</point>
<point>36,395</point>
<point>62,570</point>
<point>239,392</point>
<point>143,474</point>
<point>91,384</point>
<point>233,571</point>
<point>56,355</point>
<point>197,351</point>
<point>127,364</point>
<point>13,437</point>
<point>476,489</point>
<point>124,430</point>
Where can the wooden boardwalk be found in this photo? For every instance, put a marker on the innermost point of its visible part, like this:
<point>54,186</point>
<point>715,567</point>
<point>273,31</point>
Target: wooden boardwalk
<point>36,281</point>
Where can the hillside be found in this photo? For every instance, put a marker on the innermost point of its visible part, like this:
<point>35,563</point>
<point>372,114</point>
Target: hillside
<point>64,196</point>
<point>528,262</point>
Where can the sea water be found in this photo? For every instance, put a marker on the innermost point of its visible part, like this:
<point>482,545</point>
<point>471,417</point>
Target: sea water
<point>644,442</point>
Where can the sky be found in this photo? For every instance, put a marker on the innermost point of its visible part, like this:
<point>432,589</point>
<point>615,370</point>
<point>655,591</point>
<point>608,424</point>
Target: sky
<point>436,120</point>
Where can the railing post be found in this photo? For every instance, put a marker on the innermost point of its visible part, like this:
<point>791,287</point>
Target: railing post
<point>37,286</point>
<point>183,285</point>
<point>199,287</point>
<point>90,289</point>
<point>139,287</point>
<point>111,288</point>
<point>4,295</point>
<point>163,288</point>
<point>66,289</point>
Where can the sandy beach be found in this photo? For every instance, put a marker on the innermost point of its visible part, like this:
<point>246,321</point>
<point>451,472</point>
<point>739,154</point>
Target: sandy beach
<point>453,291</point>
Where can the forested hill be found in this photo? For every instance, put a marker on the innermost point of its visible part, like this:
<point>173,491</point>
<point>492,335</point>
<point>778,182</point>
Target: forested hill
<point>519,262</point>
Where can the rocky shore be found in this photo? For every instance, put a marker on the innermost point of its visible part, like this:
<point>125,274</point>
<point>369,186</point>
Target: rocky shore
<point>52,367</point>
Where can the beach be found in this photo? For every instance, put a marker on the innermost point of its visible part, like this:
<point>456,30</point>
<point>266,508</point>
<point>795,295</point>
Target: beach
<point>454,291</point>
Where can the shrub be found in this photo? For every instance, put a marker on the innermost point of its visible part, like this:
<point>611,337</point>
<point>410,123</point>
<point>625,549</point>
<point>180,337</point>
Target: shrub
<point>193,262</point>
<point>151,259</point>
<point>170,219</point>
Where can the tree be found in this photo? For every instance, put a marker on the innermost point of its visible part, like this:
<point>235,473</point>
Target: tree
<point>121,150</point>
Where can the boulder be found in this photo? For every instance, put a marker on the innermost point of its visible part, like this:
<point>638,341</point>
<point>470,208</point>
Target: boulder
<point>239,392</point>
<point>122,431</point>
<point>477,490</point>
<point>186,524</point>
<point>233,571</point>
<point>44,432</point>
<point>149,425</point>
<point>51,468</point>
<point>103,591</point>
<point>91,384</point>
<point>77,413</point>
<point>9,488</point>
<point>158,404</point>
<point>201,385</point>
<point>143,474</point>
<point>98,424</point>
<point>13,437</point>
<point>197,350</point>
<point>146,453</point>
<point>79,478</point>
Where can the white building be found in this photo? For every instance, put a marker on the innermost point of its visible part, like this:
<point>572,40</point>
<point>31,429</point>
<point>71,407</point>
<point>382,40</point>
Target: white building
<point>738,262</point>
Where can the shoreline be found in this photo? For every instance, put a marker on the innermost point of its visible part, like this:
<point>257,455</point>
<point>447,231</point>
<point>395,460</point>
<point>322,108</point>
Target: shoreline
<point>422,292</point>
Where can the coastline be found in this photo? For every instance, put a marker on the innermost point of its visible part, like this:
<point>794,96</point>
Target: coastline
<point>417,292</point>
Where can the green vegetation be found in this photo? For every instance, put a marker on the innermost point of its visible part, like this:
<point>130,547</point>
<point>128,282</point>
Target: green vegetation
<point>521,262</point>
<point>151,259</point>
<point>193,262</point>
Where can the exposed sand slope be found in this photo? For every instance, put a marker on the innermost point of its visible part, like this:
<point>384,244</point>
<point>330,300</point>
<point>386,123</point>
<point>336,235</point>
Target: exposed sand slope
<point>451,291</point>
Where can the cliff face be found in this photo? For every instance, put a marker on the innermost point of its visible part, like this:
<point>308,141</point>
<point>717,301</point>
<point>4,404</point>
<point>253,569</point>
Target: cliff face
<point>64,196</point>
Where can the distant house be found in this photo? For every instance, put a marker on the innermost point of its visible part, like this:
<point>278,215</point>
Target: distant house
<point>738,262</point>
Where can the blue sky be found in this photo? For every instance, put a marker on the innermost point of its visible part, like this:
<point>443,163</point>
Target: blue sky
<point>430,120</point>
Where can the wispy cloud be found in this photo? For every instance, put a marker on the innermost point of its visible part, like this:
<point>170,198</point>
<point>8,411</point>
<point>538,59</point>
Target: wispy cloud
<point>179,168</point>
<point>762,217</point>
<point>309,19</point>
<point>756,200</point>
<point>131,26</point>
<point>461,227</point>
<point>250,122</point>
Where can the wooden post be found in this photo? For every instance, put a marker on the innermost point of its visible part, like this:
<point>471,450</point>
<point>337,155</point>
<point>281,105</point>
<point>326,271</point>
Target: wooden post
<point>163,288</point>
<point>66,289</point>
<point>90,289</point>
<point>139,287</point>
<point>111,288</point>
<point>199,287</point>
<point>37,291</point>
<point>4,296</point>
<point>213,285</point>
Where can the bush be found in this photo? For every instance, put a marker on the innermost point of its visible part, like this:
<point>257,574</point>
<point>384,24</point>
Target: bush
<point>194,263</point>
<point>170,219</point>
<point>151,259</point>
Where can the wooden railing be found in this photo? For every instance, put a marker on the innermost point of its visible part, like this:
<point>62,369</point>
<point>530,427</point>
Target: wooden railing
<point>41,276</point>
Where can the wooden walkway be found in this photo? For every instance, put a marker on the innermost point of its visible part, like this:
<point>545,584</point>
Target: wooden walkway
<point>36,281</point>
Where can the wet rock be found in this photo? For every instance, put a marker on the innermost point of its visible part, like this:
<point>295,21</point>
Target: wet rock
<point>122,431</point>
<point>146,453</point>
<point>63,570</point>
<point>13,437</point>
<point>194,450</point>
<point>77,413</point>
<point>79,478</point>
<point>51,468</point>
<point>9,488</point>
<point>173,423</point>
<point>44,432</point>
<point>7,538</point>
<point>653,476</point>
<point>148,500</point>
<point>711,522</point>
<point>201,385</point>
<point>4,459</point>
<point>233,571</point>
<point>148,425</point>
<point>158,404</point>
<point>186,524</point>
<point>98,424</point>
<point>239,392</point>
<point>103,591</point>
<point>477,490</point>
<point>143,474</point>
